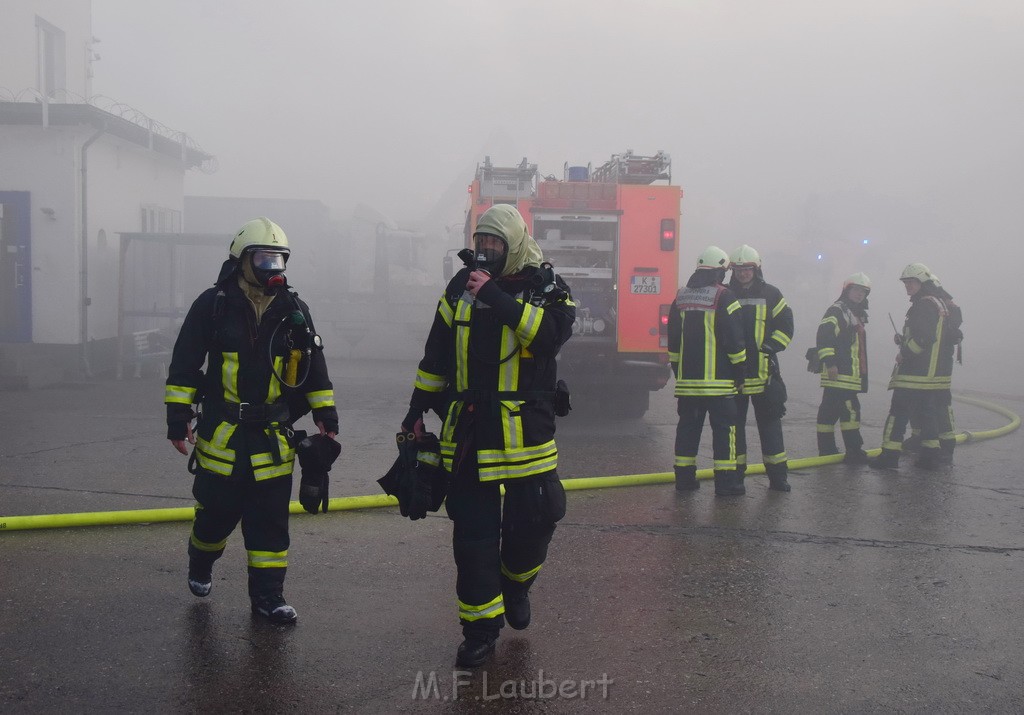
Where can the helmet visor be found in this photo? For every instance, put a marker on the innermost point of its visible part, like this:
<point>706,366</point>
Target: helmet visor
<point>268,260</point>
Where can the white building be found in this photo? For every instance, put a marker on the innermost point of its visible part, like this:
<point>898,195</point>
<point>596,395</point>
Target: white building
<point>73,177</point>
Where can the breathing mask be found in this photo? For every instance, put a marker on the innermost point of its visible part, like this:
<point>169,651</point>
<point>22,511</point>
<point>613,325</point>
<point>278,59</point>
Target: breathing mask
<point>490,253</point>
<point>268,269</point>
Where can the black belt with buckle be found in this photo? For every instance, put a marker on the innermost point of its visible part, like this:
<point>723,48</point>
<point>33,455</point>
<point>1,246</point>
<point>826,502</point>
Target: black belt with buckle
<point>247,412</point>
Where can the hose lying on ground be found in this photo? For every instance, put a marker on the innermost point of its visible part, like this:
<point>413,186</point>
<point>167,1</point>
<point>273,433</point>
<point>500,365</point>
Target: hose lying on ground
<point>152,516</point>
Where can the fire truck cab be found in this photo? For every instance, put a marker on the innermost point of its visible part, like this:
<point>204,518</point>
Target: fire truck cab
<point>611,233</point>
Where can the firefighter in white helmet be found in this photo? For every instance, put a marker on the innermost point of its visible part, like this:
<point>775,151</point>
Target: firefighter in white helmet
<point>707,354</point>
<point>767,331</point>
<point>842,352</point>
<point>264,369</point>
<point>921,381</point>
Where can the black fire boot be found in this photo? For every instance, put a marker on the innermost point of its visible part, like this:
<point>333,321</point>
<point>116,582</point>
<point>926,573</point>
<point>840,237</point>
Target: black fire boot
<point>888,459</point>
<point>929,459</point>
<point>274,609</point>
<point>517,609</point>
<point>728,484</point>
<point>475,650</point>
<point>946,447</point>
<point>200,578</point>
<point>856,456</point>
<point>912,443</point>
<point>686,479</point>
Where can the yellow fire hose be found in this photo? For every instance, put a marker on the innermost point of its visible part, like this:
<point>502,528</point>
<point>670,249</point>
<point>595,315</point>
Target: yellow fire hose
<point>150,516</point>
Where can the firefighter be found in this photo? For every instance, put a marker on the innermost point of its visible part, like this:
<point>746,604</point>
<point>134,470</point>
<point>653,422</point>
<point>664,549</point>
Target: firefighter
<point>707,354</point>
<point>841,344</point>
<point>265,369</point>
<point>767,330</point>
<point>922,376</point>
<point>489,371</point>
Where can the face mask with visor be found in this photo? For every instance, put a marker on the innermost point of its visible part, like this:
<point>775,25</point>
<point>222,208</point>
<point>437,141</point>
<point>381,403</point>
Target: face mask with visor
<point>489,253</point>
<point>268,267</point>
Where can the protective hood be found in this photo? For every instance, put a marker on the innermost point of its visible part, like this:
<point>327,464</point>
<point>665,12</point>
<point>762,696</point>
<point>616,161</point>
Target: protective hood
<point>504,221</point>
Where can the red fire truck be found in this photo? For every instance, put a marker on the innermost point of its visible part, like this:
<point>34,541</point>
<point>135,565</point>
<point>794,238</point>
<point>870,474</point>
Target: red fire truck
<point>611,233</point>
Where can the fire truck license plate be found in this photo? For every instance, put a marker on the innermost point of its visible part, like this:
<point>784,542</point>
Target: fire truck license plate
<point>647,285</point>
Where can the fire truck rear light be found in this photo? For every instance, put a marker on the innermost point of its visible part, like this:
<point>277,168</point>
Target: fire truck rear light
<point>668,234</point>
<point>663,319</point>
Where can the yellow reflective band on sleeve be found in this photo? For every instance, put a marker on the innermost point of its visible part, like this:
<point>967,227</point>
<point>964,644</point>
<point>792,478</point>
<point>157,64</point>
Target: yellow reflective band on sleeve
<point>826,352</point>
<point>685,461</point>
<point>431,458</point>
<point>732,307</point>
<point>429,382</point>
<point>519,577</point>
<point>274,391</point>
<point>738,357</point>
<point>445,311</point>
<point>673,357</point>
<point>268,559</point>
<point>179,394</point>
<point>206,545</point>
<point>779,307</point>
<point>320,398</point>
<point>491,609</point>
<point>914,347</point>
<point>529,323</point>
<point>781,338</point>
<point>229,376</point>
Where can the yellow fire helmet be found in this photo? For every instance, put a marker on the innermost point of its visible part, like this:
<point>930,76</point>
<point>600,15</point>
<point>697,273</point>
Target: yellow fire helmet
<point>259,233</point>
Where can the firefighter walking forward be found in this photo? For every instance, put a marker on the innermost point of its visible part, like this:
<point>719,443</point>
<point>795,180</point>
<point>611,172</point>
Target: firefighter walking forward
<point>489,370</point>
<point>841,347</point>
<point>707,354</point>
<point>767,331</point>
<point>265,369</point>
<point>922,376</point>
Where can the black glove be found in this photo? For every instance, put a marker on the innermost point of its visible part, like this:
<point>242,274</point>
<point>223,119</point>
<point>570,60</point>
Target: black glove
<point>768,349</point>
<point>328,416</point>
<point>179,417</point>
<point>414,413</point>
<point>316,455</point>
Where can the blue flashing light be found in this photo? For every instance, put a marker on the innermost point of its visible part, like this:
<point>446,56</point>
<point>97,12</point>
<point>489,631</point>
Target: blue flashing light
<point>820,256</point>
<point>865,241</point>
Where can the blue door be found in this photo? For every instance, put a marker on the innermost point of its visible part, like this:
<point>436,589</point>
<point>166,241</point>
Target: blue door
<point>15,268</point>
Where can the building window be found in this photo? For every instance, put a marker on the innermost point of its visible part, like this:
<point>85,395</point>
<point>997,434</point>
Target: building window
<point>160,219</point>
<point>51,58</point>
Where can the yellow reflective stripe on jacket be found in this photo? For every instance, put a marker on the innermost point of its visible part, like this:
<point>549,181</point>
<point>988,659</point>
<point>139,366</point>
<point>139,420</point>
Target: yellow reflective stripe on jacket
<point>921,382</point>
<point>445,311</point>
<point>213,465</point>
<point>494,464</point>
<point>274,470</point>
<point>779,307</point>
<point>206,545</point>
<point>737,357</point>
<point>704,388</point>
<point>511,424</point>
<point>491,609</point>
<point>843,382</point>
<point>914,347</point>
<point>519,577</point>
<point>179,394</point>
<point>529,323</point>
<point>274,390</point>
<point>508,371</point>
<point>673,357</point>
<point>732,307</point>
<point>462,313</point>
<point>429,382</point>
<point>320,398</point>
<point>229,376</point>
<point>268,559</point>
<point>781,338</point>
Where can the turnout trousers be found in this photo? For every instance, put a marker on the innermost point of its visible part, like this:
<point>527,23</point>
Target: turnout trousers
<point>840,406</point>
<point>262,508</point>
<point>498,551</point>
<point>721,412</point>
<point>769,430</point>
<point>930,411</point>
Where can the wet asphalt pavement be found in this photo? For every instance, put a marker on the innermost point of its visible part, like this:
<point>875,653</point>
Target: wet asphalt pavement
<point>859,591</point>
